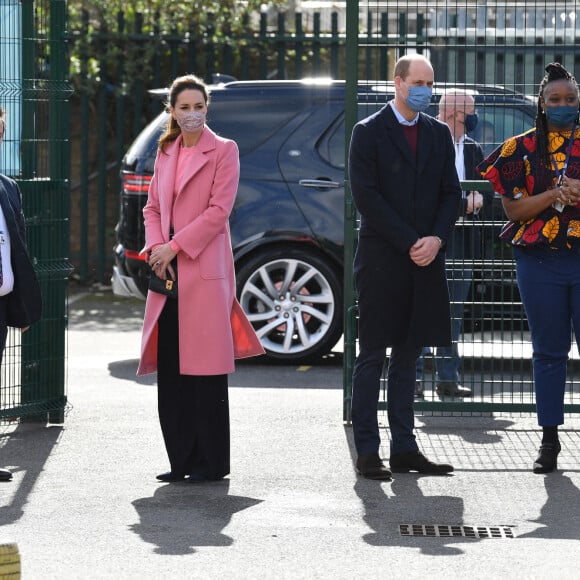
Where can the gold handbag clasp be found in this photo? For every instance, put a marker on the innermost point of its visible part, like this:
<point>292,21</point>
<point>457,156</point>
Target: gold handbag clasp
<point>169,285</point>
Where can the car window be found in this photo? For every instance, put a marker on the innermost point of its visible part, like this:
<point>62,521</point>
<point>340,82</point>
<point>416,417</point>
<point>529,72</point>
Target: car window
<point>496,123</point>
<point>230,119</point>
<point>331,147</point>
<point>499,122</point>
<point>145,146</point>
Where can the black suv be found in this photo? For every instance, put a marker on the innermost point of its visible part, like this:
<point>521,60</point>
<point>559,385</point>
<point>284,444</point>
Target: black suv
<point>287,223</point>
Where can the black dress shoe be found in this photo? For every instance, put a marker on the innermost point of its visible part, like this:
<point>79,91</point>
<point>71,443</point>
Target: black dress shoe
<point>416,461</point>
<point>453,390</point>
<point>5,475</point>
<point>371,467</point>
<point>547,460</point>
<point>169,476</point>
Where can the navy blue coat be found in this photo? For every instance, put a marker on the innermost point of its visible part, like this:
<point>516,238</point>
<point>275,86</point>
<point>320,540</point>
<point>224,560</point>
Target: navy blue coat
<point>402,197</point>
<point>25,301</point>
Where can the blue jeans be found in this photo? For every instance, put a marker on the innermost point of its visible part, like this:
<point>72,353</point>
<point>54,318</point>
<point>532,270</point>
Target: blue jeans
<point>447,359</point>
<point>549,283</point>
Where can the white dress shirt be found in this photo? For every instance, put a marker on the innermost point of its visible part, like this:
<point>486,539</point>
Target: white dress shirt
<point>460,158</point>
<point>7,273</point>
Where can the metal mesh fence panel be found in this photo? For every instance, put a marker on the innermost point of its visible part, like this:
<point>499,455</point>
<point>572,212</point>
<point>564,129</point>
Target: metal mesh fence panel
<point>34,93</point>
<point>497,52</point>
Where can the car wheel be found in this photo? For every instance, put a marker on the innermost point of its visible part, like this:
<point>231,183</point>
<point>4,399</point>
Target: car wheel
<point>294,302</point>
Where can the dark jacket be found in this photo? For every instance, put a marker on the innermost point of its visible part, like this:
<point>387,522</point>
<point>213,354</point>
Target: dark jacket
<point>401,198</point>
<point>466,240</point>
<point>25,301</point>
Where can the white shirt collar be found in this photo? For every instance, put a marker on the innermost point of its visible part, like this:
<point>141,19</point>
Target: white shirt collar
<point>402,119</point>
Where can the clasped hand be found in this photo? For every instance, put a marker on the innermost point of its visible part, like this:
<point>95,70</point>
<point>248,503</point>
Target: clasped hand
<point>474,202</point>
<point>160,261</point>
<point>424,250</point>
<point>569,191</point>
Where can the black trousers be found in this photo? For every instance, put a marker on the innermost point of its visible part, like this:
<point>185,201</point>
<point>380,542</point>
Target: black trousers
<point>193,410</point>
<point>3,327</point>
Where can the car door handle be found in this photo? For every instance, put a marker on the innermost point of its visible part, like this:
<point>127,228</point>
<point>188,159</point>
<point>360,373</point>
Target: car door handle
<point>319,183</point>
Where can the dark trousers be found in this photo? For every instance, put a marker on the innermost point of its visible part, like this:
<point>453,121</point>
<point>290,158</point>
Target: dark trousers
<point>400,396</point>
<point>3,327</point>
<point>193,410</point>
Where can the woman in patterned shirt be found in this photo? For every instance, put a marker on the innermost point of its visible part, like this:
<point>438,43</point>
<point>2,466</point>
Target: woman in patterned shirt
<point>538,175</point>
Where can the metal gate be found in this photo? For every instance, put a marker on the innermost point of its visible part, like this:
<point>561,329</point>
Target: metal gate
<point>499,50</point>
<point>34,92</point>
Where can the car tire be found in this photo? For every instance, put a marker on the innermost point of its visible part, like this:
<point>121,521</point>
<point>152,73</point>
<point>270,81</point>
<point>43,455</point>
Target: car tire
<point>293,300</point>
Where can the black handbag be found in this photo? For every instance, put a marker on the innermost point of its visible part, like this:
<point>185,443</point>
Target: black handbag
<point>167,287</point>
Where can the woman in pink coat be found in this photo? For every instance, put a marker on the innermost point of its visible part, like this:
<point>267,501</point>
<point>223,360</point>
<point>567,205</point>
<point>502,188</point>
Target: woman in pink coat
<point>192,341</point>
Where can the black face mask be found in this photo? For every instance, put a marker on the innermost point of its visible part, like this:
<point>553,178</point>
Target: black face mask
<point>471,122</point>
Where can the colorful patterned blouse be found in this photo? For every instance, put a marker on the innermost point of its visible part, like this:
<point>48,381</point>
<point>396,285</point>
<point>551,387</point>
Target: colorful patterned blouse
<point>512,168</point>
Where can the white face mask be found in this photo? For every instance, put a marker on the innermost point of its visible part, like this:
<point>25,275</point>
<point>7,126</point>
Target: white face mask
<point>190,121</point>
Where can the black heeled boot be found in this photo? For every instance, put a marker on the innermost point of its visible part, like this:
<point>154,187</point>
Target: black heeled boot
<point>547,459</point>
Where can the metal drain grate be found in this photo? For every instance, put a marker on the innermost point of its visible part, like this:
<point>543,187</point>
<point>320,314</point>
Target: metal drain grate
<point>443,531</point>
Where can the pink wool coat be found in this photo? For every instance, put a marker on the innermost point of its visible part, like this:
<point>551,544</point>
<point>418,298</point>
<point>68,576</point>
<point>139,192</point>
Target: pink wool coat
<point>213,329</point>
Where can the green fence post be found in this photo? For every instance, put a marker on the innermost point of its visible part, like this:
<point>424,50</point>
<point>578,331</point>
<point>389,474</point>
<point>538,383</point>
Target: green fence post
<point>102,106</point>
<point>28,143</point>
<point>299,34</point>
<point>281,46</point>
<point>316,46</point>
<point>120,101</point>
<point>46,205</point>
<point>263,47</point>
<point>84,173</point>
<point>210,47</point>
<point>334,48</point>
<point>138,82</point>
<point>245,46</point>
<point>59,138</point>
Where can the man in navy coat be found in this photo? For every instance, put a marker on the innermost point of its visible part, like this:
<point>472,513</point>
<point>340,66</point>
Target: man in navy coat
<point>20,298</point>
<point>405,187</point>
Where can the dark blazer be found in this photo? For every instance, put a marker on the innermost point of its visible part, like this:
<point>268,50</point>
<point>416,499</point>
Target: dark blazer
<point>25,301</point>
<point>402,197</point>
<point>466,240</point>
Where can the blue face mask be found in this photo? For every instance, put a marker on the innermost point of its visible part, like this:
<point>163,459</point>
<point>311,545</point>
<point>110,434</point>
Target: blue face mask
<point>419,98</point>
<point>471,122</point>
<point>561,116</point>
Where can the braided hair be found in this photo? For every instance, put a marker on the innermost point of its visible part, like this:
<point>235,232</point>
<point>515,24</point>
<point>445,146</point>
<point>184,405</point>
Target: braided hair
<point>554,72</point>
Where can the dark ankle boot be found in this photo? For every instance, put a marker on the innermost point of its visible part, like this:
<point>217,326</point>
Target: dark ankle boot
<point>547,459</point>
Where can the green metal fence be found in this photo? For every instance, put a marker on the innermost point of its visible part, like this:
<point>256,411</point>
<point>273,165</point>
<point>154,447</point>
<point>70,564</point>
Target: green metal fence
<point>493,43</point>
<point>469,43</point>
<point>35,93</point>
<point>114,64</point>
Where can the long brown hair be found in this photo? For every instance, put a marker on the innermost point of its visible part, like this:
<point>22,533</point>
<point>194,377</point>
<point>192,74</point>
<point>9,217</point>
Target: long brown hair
<point>172,131</point>
<point>554,72</point>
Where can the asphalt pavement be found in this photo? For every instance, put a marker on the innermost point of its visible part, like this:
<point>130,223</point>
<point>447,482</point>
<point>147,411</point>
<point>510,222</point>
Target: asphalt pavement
<point>84,502</point>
